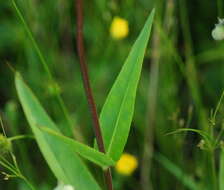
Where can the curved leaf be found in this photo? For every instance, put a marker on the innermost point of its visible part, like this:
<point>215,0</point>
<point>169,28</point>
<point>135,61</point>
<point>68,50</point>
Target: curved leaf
<point>82,149</point>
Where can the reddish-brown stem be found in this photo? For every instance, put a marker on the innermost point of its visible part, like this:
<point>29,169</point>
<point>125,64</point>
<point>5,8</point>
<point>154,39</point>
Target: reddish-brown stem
<point>85,76</point>
<point>87,87</point>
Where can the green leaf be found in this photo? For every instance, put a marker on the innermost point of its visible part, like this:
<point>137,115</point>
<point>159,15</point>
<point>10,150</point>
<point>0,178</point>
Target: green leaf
<point>117,112</point>
<point>85,151</point>
<point>221,171</point>
<point>65,164</point>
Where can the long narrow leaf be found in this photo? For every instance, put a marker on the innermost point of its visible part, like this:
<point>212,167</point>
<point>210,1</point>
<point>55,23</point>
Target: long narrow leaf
<point>84,150</point>
<point>65,164</point>
<point>117,112</point>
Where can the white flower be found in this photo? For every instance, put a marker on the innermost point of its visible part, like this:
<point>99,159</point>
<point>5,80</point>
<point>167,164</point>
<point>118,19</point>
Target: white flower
<point>218,31</point>
<point>62,186</point>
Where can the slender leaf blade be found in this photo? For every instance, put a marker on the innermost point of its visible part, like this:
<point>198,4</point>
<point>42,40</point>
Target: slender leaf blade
<point>87,152</point>
<point>65,164</point>
<point>117,112</point>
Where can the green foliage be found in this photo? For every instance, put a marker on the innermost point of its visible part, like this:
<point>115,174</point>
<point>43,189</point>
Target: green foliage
<point>65,164</point>
<point>118,110</point>
<point>59,151</point>
<point>85,151</point>
<point>37,38</point>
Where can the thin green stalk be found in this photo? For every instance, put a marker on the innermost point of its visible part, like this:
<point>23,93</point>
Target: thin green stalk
<point>190,65</point>
<point>219,137</point>
<point>27,182</point>
<point>5,165</point>
<point>37,49</point>
<point>2,126</point>
<point>23,152</point>
<point>19,173</point>
<point>44,63</point>
<point>213,120</point>
<point>19,137</point>
<point>7,162</point>
<point>212,170</point>
<point>218,107</point>
<point>169,78</point>
<point>172,49</point>
<point>207,161</point>
<point>16,173</point>
<point>151,115</point>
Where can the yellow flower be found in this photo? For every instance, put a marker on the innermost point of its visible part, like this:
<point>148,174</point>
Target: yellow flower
<point>119,28</point>
<point>127,164</point>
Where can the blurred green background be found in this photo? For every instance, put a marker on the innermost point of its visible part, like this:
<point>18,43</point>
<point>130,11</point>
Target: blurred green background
<point>182,80</point>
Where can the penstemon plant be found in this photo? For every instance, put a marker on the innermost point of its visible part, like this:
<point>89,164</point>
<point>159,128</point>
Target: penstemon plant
<point>64,154</point>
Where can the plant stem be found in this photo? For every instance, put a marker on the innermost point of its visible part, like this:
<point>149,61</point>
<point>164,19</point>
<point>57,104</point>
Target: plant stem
<point>87,87</point>
<point>27,182</point>
<point>211,170</point>
<point>18,137</point>
<point>191,70</point>
<point>148,149</point>
<point>47,70</point>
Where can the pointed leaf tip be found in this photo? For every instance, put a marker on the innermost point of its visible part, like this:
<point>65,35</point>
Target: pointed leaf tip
<point>117,112</point>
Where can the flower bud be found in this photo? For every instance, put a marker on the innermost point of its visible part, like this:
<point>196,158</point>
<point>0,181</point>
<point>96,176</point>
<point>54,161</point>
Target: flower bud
<point>218,31</point>
<point>5,145</point>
